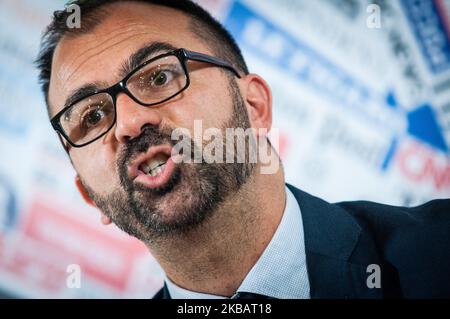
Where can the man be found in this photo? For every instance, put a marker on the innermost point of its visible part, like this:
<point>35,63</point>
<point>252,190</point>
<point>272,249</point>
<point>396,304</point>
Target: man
<point>119,87</point>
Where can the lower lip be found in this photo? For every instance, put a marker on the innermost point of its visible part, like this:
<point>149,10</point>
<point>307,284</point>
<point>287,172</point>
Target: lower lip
<point>159,180</point>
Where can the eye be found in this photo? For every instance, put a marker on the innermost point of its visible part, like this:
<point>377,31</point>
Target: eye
<point>161,78</point>
<point>92,117</point>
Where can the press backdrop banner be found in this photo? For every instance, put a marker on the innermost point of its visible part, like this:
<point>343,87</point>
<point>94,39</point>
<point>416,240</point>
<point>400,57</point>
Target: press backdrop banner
<point>361,100</point>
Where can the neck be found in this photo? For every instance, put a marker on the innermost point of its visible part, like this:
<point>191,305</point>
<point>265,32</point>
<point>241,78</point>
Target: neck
<point>215,257</point>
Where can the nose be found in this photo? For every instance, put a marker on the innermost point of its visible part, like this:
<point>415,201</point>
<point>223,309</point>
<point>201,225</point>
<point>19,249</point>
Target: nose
<point>132,117</point>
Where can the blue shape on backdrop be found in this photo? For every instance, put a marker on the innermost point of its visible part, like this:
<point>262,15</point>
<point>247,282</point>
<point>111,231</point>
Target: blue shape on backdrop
<point>391,100</point>
<point>390,154</point>
<point>423,125</point>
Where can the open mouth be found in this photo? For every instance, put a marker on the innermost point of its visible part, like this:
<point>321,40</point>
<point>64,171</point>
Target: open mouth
<point>154,168</point>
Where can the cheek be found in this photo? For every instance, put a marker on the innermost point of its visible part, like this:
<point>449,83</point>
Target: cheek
<point>201,104</point>
<point>97,169</point>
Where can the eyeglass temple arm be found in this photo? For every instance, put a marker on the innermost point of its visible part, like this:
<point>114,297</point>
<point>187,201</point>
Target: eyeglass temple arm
<point>57,130</point>
<point>209,59</point>
<point>64,145</point>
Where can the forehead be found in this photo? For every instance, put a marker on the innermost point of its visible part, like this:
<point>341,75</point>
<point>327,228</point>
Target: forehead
<point>97,56</point>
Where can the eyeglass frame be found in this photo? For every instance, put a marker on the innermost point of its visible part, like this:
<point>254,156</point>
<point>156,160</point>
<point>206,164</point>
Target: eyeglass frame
<point>113,91</point>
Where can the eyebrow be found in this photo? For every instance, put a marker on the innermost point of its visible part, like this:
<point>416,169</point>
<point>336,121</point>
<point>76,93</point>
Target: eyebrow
<point>143,54</point>
<point>133,62</point>
<point>85,90</point>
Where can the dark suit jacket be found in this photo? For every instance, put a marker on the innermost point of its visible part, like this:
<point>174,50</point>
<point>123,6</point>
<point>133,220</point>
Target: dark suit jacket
<point>410,245</point>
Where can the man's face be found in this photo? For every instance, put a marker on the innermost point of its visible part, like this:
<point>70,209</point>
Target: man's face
<point>185,193</point>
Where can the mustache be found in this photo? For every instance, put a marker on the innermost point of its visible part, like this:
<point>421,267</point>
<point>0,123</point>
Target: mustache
<point>150,135</point>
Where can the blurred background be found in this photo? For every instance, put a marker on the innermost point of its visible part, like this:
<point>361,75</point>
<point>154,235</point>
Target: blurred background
<point>361,100</point>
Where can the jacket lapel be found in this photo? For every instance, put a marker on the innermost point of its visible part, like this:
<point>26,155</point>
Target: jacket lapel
<point>163,293</point>
<point>331,235</point>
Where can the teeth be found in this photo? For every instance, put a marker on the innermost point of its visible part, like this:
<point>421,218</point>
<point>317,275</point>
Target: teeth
<point>158,170</point>
<point>151,165</point>
<point>154,166</point>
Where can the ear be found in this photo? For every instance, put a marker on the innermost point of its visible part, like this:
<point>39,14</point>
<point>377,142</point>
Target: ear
<point>258,96</point>
<point>104,219</point>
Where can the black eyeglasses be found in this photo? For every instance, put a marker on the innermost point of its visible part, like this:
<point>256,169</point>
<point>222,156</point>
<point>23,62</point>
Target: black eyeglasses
<point>153,82</point>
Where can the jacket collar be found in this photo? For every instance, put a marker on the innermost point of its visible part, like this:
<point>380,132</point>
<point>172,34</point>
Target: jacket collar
<point>331,236</point>
<point>329,230</point>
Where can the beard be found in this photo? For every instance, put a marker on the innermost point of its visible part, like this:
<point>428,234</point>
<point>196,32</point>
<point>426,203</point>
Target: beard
<point>191,196</point>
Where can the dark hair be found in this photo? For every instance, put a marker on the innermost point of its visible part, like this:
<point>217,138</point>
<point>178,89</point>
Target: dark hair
<point>203,25</point>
